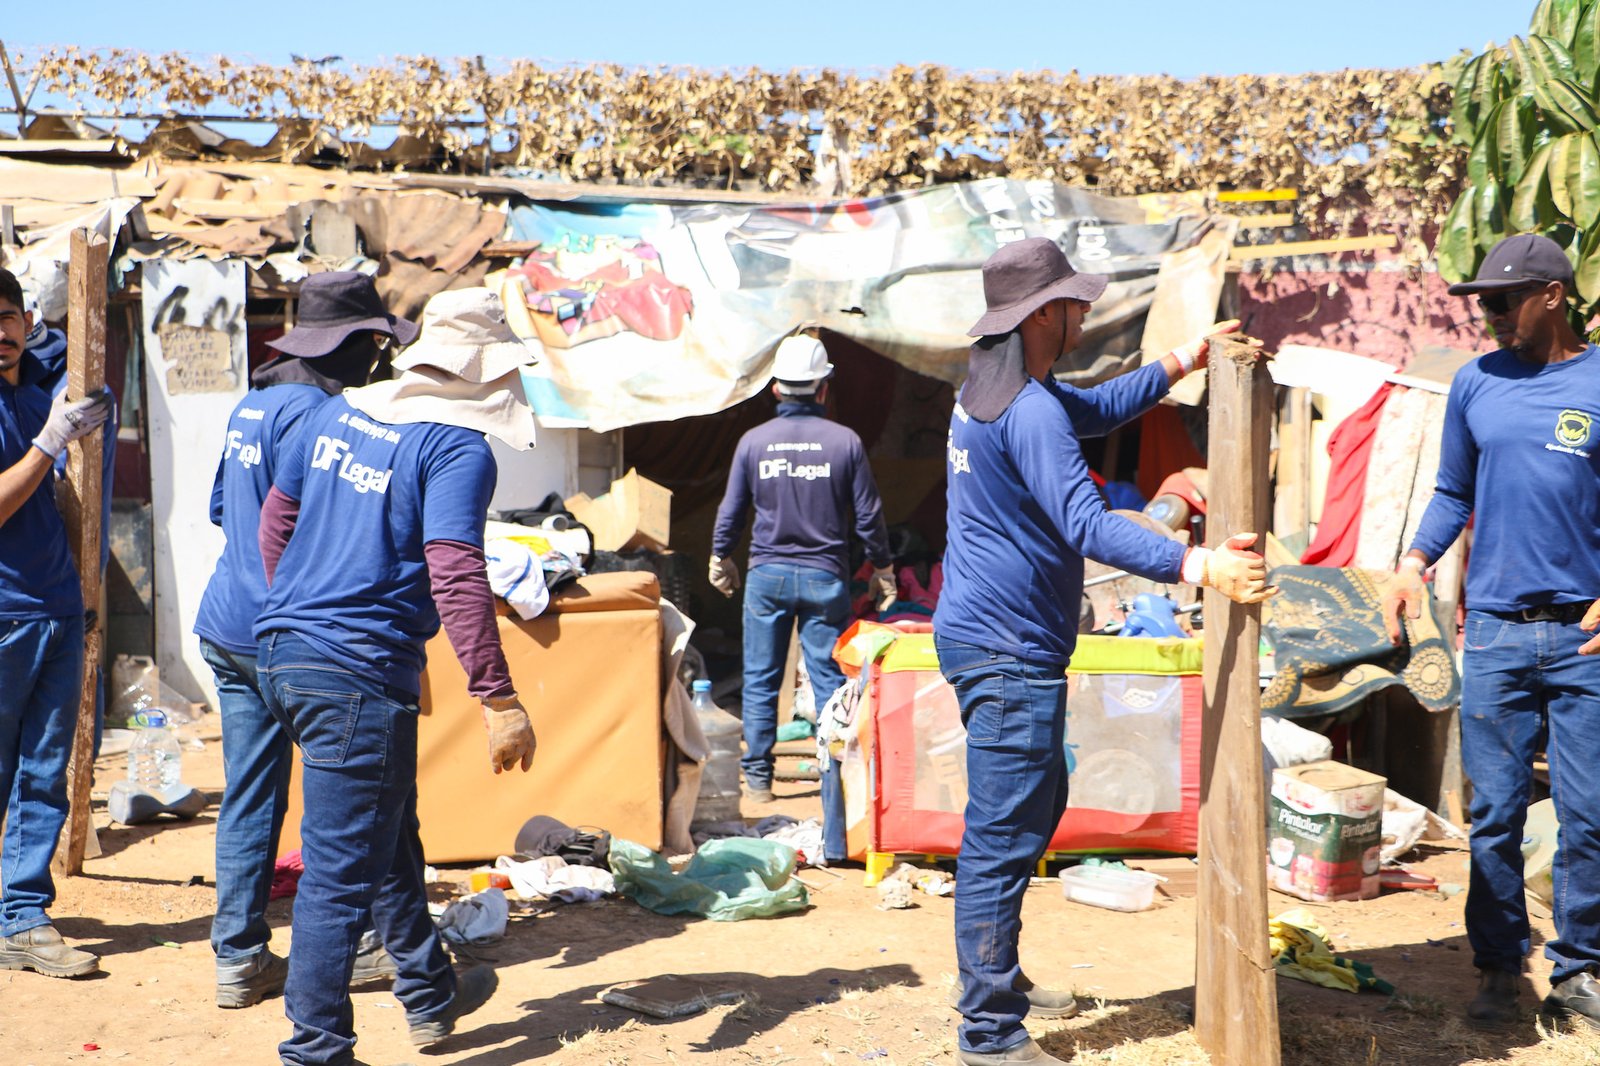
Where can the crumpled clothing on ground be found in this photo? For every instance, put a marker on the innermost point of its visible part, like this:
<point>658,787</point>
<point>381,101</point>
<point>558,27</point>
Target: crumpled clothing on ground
<point>1300,950</point>
<point>804,837</point>
<point>552,877</point>
<point>476,919</point>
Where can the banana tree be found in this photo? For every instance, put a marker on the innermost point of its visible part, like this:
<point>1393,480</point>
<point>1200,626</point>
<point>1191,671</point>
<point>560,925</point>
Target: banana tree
<point>1530,112</point>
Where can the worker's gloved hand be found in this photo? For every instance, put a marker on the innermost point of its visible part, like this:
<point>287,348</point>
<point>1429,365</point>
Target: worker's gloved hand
<point>1237,572</point>
<point>1405,596</point>
<point>1591,620</point>
<point>882,588</point>
<point>510,734</point>
<point>71,419</point>
<point>724,575</point>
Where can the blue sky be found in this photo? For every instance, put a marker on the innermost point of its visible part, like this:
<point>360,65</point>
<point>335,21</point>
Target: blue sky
<point>1130,37</point>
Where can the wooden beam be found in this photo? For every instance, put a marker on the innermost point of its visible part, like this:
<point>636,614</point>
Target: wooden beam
<point>1332,246</point>
<point>1256,196</point>
<point>1236,1007</point>
<point>16,93</point>
<point>86,373</point>
<point>1276,220</point>
<point>1291,503</point>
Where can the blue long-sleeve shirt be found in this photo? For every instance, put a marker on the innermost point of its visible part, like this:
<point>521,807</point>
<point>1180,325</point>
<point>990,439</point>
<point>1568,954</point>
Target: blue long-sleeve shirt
<point>1023,515</point>
<point>1521,450</point>
<point>810,483</point>
<point>1096,412</point>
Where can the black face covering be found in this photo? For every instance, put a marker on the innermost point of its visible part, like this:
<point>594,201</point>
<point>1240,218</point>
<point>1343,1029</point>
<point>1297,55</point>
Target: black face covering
<point>996,372</point>
<point>346,367</point>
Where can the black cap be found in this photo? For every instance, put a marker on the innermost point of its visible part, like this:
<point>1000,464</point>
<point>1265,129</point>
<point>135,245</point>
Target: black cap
<point>1517,262</point>
<point>334,305</point>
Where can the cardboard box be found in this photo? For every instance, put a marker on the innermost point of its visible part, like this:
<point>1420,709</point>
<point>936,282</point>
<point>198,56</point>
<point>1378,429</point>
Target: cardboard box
<point>1325,831</point>
<point>636,513</point>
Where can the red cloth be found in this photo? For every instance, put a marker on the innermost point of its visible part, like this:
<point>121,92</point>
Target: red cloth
<point>286,875</point>
<point>1349,449</point>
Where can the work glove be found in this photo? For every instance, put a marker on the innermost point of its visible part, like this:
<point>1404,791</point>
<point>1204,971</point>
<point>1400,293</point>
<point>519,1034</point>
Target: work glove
<point>1237,572</point>
<point>1591,619</point>
<point>1197,353</point>
<point>510,734</point>
<point>883,588</point>
<point>71,419</point>
<point>724,575</point>
<point>1404,597</point>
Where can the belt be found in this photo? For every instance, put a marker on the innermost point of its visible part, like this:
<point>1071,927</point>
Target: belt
<point>1566,613</point>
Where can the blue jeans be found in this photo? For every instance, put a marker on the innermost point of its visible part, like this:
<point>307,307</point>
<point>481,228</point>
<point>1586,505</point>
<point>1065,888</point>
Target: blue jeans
<point>1014,712</point>
<point>255,763</point>
<point>776,595</point>
<point>359,837</point>
<point>1521,681</point>
<point>41,676</point>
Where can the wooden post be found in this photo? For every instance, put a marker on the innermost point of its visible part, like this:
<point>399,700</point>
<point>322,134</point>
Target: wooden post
<point>86,372</point>
<point>1291,504</point>
<point>1236,1007</point>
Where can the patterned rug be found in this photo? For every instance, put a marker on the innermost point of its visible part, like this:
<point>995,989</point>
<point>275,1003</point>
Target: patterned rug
<point>1332,649</point>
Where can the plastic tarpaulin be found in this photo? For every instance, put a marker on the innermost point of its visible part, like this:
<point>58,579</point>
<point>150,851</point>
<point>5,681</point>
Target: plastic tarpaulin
<point>1132,740</point>
<point>650,312</point>
<point>726,881</point>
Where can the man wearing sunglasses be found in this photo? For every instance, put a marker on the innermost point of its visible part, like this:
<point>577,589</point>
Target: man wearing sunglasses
<point>1521,452</point>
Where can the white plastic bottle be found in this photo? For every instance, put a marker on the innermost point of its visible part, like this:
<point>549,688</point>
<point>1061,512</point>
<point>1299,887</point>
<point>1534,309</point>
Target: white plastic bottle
<point>719,780</point>
<point>155,758</point>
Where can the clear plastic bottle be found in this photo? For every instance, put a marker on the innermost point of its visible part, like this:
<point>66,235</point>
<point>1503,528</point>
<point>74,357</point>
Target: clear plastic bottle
<point>719,781</point>
<point>155,758</point>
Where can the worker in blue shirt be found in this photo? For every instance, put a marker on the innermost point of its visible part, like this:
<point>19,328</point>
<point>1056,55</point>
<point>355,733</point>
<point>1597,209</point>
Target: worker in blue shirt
<point>41,644</point>
<point>1521,453</point>
<point>809,482</point>
<point>338,336</point>
<point>1023,515</point>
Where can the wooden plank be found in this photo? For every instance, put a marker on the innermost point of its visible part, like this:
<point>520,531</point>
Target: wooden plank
<point>1373,243</point>
<point>1236,1008</point>
<point>86,373</point>
<point>1291,502</point>
<point>1276,220</point>
<point>1256,196</point>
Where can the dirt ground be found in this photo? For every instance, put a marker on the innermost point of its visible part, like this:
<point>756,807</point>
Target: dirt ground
<point>841,982</point>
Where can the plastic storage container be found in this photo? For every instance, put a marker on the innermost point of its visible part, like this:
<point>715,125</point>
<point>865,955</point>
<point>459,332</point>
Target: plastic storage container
<point>1117,890</point>
<point>155,758</point>
<point>719,780</point>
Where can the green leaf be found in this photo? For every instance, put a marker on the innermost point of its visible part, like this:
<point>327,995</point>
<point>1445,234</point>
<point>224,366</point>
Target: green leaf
<point>1583,181</point>
<point>1488,214</point>
<point>1560,191</point>
<point>1515,116</point>
<point>1586,44</point>
<point>1483,162</point>
<point>1556,18</point>
<point>1573,102</point>
<point>1587,274</point>
<point>1522,62</point>
<point>1531,194</point>
<point>1463,107</point>
<point>1456,251</point>
<point>1551,59</point>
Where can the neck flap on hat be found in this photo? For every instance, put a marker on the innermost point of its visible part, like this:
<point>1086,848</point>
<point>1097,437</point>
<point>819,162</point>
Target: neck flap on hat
<point>498,408</point>
<point>997,371</point>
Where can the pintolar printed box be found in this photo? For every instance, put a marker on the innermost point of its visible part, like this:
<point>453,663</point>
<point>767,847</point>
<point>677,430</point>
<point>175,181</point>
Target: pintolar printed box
<point>1324,831</point>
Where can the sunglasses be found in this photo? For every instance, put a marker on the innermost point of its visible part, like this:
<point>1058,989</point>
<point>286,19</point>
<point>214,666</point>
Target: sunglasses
<point>1498,303</point>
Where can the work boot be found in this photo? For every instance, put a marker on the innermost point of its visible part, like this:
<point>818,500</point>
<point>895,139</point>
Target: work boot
<point>473,989</point>
<point>1043,1003</point>
<point>758,795</point>
<point>261,978</point>
<point>1577,999</point>
<point>1496,1001</point>
<point>373,963</point>
<point>1028,1051</point>
<point>42,950</point>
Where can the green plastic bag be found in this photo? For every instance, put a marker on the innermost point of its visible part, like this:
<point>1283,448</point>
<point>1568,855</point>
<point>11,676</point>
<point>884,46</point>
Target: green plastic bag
<point>726,881</point>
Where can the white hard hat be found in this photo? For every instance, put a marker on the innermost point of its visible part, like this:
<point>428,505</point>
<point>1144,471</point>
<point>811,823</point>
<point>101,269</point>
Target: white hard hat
<point>801,359</point>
